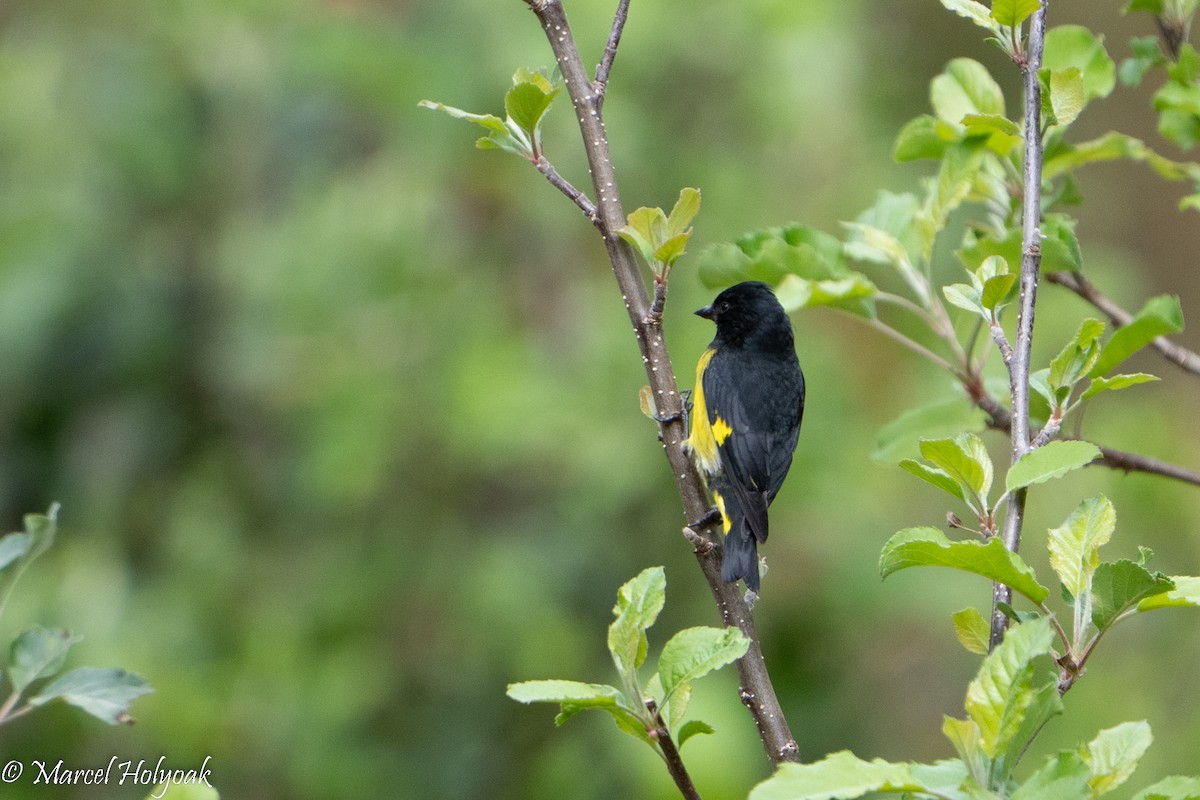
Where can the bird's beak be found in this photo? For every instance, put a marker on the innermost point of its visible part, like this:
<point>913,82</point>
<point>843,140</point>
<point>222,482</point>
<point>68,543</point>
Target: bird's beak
<point>706,312</point>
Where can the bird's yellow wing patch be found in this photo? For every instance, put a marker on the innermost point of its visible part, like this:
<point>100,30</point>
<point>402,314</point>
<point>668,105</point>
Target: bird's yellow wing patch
<point>702,441</point>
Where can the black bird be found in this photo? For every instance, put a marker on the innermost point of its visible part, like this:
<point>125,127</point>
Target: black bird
<point>748,403</point>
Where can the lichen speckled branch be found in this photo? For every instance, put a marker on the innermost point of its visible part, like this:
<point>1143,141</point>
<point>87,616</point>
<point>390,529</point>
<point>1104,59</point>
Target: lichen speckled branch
<point>587,95</point>
<point>1031,262</point>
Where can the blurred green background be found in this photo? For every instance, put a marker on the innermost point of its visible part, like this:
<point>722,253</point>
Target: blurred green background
<point>343,414</point>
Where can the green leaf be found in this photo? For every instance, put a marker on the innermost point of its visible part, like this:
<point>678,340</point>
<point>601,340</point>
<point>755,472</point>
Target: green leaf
<point>854,294</point>
<point>1075,545</point>
<point>685,210</point>
<point>20,549</point>
<point>12,547</point>
<point>559,691</point>
<point>975,11</point>
<point>499,135</point>
<point>1185,594</point>
<point>1153,6</point>
<point>1146,56</point>
<point>1161,315</point>
<point>933,475</point>
<point>1066,94</point>
<point>1114,754</point>
<point>936,420</point>
<point>1004,691</point>
<point>1099,385</point>
<point>638,603</point>
<point>1050,461</point>
<point>839,776</point>
<point>1075,46</point>
<point>1120,585</point>
<point>104,693</point>
<point>972,630</point>
<point>923,137</point>
<point>964,735</point>
<point>966,87</point>
<point>1011,13</point>
<point>38,653</point>
<point>1177,787</point>
<point>929,547</point>
<point>1061,777</point>
<point>965,297</point>
<point>694,652</point>
<point>879,246</point>
<point>965,459</point>
<point>997,289</point>
<point>692,728</point>
<point>526,103</point>
<point>1075,360</point>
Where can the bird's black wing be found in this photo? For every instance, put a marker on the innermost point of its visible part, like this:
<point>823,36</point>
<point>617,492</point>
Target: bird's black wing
<point>746,448</point>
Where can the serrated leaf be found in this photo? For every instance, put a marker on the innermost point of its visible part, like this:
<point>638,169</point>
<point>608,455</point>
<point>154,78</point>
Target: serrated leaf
<point>1066,94</point>
<point>1161,315</point>
<point>997,289</point>
<point>1116,382</point>
<point>1114,754</point>
<point>965,87</point>
<point>929,547</point>
<point>1069,46</point>
<point>684,211</point>
<point>933,475</point>
<point>1011,13</point>
<point>562,691</point>
<point>881,247</point>
<point>1050,461</point>
<point>1120,585</point>
<point>638,603</point>
<point>1061,777</point>
<point>692,728</point>
<point>1177,787</point>
<point>500,135</point>
<point>1008,683</point>
<point>965,297</point>
<point>1185,594</point>
<point>1076,359</point>
<point>694,652</point>
<point>936,420</point>
<point>526,103</point>
<point>975,11</point>
<point>38,653</point>
<point>964,458</point>
<point>923,137</point>
<point>104,693</point>
<point>972,630</point>
<point>1075,545</point>
<point>854,294</point>
<point>840,775</point>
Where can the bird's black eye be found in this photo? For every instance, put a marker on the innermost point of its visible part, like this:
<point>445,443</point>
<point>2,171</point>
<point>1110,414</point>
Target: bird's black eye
<point>723,305</point>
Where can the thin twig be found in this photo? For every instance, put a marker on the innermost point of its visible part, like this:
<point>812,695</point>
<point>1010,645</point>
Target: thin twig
<point>610,50</point>
<point>768,715</point>
<point>670,754</point>
<point>1181,357</point>
<point>1031,261</point>
<point>911,344</point>
<point>574,195</point>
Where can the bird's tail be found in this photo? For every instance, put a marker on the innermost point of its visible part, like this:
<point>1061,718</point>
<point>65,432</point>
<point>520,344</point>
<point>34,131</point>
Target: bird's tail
<point>740,559</point>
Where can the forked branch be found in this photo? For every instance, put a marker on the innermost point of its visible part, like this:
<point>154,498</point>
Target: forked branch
<point>587,98</point>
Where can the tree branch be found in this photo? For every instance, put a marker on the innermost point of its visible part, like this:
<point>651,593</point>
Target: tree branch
<point>755,682</point>
<point>610,49</point>
<point>670,754</point>
<point>1031,262</point>
<point>1181,357</point>
<point>574,195</point>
